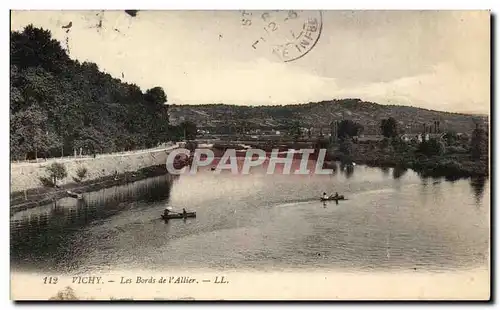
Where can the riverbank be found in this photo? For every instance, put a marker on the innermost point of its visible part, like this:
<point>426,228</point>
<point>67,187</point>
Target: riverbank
<point>27,179</point>
<point>23,200</point>
<point>27,175</point>
<point>451,165</point>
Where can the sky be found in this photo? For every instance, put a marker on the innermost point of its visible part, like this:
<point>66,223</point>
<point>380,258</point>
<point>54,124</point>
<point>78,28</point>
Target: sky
<point>432,59</point>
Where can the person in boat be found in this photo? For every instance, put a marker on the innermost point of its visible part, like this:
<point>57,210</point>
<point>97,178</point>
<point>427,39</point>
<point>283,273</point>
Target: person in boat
<point>325,196</point>
<point>184,213</point>
<point>166,212</point>
<point>336,195</point>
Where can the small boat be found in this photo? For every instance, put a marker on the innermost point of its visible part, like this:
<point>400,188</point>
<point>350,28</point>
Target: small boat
<point>74,195</point>
<point>341,197</point>
<point>178,215</point>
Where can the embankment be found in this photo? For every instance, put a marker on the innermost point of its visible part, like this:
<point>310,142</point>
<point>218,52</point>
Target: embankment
<point>102,171</point>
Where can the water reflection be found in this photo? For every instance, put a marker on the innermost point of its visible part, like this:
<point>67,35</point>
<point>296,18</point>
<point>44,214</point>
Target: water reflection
<point>385,171</point>
<point>452,179</point>
<point>398,172</point>
<point>436,179</point>
<point>47,229</point>
<point>347,169</point>
<point>244,222</point>
<point>478,184</point>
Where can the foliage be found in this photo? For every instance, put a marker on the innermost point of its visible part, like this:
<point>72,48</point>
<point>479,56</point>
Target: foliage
<point>56,171</point>
<point>322,143</point>
<point>431,147</point>
<point>58,104</point>
<point>479,143</point>
<point>46,182</point>
<point>346,147</point>
<point>81,173</point>
<point>451,137</point>
<point>316,115</point>
<point>189,130</point>
<point>31,133</point>
<point>400,145</point>
<point>389,127</point>
<point>191,145</point>
<point>295,131</point>
<point>348,128</point>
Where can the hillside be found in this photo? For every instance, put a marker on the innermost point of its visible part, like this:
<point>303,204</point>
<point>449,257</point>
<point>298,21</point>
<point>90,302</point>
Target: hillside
<point>59,105</point>
<point>319,114</point>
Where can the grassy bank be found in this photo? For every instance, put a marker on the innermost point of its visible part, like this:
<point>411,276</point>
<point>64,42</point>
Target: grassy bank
<point>22,200</point>
<point>449,164</point>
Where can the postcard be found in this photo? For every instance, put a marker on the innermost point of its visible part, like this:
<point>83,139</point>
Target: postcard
<point>250,155</point>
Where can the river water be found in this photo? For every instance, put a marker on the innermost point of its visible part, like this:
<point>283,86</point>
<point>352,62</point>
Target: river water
<point>392,220</point>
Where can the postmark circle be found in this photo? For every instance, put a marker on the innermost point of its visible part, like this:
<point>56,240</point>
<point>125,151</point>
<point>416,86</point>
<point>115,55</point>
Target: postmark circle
<point>289,35</point>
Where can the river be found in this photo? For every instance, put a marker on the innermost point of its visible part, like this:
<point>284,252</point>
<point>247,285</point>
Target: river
<point>392,220</point>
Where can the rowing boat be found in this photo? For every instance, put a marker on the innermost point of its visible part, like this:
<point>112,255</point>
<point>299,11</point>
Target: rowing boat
<point>333,198</point>
<point>178,215</point>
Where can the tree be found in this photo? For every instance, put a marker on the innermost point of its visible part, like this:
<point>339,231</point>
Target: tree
<point>295,130</point>
<point>30,131</point>
<point>58,104</point>
<point>389,127</point>
<point>432,147</point>
<point>189,130</point>
<point>156,95</point>
<point>57,171</point>
<point>346,147</point>
<point>451,137</point>
<point>348,129</point>
<point>479,143</point>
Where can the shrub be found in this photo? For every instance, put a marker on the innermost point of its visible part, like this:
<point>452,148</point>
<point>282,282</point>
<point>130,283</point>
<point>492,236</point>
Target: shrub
<point>47,182</point>
<point>81,172</point>
<point>431,147</point>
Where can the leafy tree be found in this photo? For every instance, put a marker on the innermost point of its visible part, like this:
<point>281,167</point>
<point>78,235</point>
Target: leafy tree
<point>56,171</point>
<point>156,96</point>
<point>389,127</point>
<point>479,143</point>
<point>29,128</point>
<point>189,130</point>
<point>346,147</point>
<point>432,147</point>
<point>347,129</point>
<point>451,137</point>
<point>58,105</point>
<point>295,130</point>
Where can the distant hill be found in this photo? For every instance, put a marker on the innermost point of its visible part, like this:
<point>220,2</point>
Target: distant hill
<point>319,115</point>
